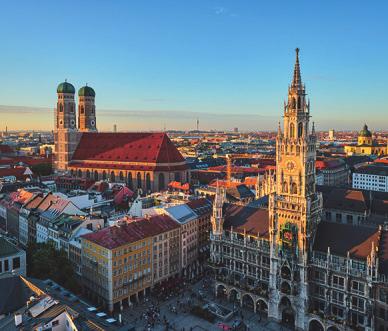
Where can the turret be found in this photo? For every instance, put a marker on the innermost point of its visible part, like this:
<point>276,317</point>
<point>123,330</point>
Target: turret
<point>86,109</point>
<point>65,129</point>
<point>217,218</point>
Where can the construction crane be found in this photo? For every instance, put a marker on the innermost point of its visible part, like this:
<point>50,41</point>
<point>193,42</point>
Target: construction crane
<point>229,159</point>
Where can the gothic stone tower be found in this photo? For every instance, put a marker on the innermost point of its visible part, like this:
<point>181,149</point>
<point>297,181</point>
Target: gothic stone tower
<point>86,109</point>
<point>294,208</point>
<point>217,221</point>
<point>65,131</point>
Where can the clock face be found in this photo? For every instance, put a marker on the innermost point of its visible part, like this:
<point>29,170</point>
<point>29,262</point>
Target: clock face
<point>290,165</point>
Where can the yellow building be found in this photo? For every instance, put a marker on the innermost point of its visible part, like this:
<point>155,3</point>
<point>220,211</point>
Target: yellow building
<point>366,145</point>
<point>117,261</point>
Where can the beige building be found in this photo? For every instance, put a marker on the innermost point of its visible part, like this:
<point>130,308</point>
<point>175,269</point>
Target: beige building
<point>366,145</point>
<point>118,261</point>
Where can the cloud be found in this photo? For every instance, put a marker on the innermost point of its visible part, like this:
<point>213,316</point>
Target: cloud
<point>13,110</point>
<point>220,10</point>
<point>223,11</point>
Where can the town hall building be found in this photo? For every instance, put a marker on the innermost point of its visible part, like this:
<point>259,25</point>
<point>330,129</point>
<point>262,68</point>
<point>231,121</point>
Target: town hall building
<point>288,264</point>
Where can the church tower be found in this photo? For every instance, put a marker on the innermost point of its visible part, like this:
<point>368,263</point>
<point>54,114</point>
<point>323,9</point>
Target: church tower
<point>86,109</point>
<point>294,208</point>
<point>65,131</point>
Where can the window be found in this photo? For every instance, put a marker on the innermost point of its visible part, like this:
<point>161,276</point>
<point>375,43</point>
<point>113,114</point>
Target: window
<point>349,219</point>
<point>6,266</point>
<point>138,177</point>
<point>338,297</point>
<point>54,323</point>
<point>16,263</point>
<point>339,312</point>
<point>358,303</point>
<point>338,217</point>
<point>338,282</point>
<point>328,216</point>
<point>358,287</point>
<point>319,276</point>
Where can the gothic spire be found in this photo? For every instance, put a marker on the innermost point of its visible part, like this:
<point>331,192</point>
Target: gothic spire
<point>297,80</point>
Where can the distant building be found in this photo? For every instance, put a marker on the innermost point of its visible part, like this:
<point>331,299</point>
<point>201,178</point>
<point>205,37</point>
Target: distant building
<point>371,177</point>
<point>331,134</point>
<point>12,259</point>
<point>332,171</point>
<point>366,145</point>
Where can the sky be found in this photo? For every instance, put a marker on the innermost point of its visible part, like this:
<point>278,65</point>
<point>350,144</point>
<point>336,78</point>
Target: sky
<point>163,64</point>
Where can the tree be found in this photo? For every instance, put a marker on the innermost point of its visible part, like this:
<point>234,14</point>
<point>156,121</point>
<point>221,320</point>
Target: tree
<point>42,169</point>
<point>44,261</point>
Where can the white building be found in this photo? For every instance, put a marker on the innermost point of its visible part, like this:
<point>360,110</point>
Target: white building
<point>372,177</point>
<point>188,220</point>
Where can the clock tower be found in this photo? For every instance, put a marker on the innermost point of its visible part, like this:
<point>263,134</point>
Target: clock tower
<point>294,208</point>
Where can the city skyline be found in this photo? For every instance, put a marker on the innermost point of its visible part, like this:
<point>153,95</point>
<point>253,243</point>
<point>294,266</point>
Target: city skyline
<point>154,67</point>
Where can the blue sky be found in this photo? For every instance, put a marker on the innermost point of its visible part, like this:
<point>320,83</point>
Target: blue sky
<point>165,63</point>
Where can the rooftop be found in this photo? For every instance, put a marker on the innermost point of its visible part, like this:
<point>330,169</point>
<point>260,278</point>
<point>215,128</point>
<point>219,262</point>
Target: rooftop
<point>127,147</point>
<point>131,230</point>
<point>378,169</point>
<point>344,238</point>
<point>254,221</point>
<point>7,248</point>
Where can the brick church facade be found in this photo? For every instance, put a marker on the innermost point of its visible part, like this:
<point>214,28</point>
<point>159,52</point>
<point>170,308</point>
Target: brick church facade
<point>146,161</point>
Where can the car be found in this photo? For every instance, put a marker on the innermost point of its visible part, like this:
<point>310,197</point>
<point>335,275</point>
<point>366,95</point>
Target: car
<point>111,320</point>
<point>101,314</point>
<point>92,308</point>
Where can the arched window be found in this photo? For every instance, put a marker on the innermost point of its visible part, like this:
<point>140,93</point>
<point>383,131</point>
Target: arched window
<point>87,174</point>
<point>104,175</point>
<point>292,130</point>
<point>112,177</point>
<point>82,109</point>
<point>148,182</point>
<point>294,188</point>
<point>60,108</point>
<point>138,178</point>
<point>121,176</point>
<point>129,180</point>
<point>96,175</point>
<point>300,130</point>
<point>161,182</point>
<point>285,187</point>
<point>293,103</point>
<point>299,103</point>
<point>80,173</point>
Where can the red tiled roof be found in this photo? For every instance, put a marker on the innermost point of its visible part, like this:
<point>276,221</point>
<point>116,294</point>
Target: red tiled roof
<point>132,230</point>
<point>328,163</point>
<point>17,172</point>
<point>252,220</point>
<point>127,147</point>
<point>345,199</point>
<point>179,186</point>
<point>344,238</point>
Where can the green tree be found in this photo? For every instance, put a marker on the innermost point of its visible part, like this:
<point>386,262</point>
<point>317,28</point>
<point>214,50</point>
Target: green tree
<point>44,261</point>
